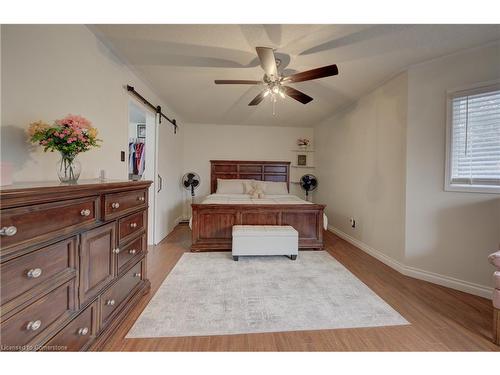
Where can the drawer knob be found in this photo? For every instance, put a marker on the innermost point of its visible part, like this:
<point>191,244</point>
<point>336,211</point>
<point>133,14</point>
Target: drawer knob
<point>83,331</point>
<point>116,251</point>
<point>34,273</point>
<point>110,302</point>
<point>133,251</point>
<point>133,225</point>
<point>137,274</point>
<point>33,325</point>
<point>85,212</point>
<point>141,199</point>
<point>8,231</point>
<point>115,205</point>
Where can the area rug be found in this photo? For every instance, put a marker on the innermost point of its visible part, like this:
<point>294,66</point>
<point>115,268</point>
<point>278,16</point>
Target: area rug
<point>210,294</point>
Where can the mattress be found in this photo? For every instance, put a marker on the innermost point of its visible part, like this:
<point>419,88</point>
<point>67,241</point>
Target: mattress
<point>247,199</point>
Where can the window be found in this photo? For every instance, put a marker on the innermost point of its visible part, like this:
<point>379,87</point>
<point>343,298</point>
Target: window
<point>473,140</point>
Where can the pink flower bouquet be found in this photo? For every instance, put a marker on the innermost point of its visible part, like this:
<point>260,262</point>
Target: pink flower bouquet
<point>70,136</point>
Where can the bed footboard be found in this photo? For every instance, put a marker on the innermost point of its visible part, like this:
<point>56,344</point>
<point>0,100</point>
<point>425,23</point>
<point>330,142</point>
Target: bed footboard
<point>212,223</point>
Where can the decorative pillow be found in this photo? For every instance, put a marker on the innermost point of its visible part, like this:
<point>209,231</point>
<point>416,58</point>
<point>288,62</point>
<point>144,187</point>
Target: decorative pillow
<point>230,186</point>
<point>255,189</point>
<point>274,188</point>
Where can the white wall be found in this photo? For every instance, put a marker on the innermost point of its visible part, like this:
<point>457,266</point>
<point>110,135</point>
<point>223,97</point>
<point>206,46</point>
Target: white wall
<point>49,71</point>
<point>205,142</point>
<point>360,161</point>
<point>448,233</point>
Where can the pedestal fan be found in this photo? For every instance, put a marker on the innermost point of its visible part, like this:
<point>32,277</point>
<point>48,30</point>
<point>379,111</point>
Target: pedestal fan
<point>308,182</point>
<point>191,181</point>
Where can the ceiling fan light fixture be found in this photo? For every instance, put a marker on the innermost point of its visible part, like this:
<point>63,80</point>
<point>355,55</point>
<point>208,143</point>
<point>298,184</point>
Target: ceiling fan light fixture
<point>274,82</point>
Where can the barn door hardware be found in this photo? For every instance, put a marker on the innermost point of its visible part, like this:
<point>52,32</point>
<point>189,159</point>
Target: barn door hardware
<point>156,109</point>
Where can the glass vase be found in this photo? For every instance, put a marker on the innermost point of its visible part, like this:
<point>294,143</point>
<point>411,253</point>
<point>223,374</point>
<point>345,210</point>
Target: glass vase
<point>68,168</point>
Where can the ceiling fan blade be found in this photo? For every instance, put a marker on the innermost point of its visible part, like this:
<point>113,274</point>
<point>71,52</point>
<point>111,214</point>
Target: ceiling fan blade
<point>258,98</point>
<point>325,71</point>
<point>236,82</point>
<point>296,94</point>
<point>267,60</point>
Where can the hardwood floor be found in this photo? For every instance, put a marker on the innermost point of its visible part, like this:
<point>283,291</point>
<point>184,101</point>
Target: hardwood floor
<point>441,319</point>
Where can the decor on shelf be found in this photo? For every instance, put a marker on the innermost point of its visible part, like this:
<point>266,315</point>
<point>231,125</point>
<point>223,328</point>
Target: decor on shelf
<point>303,143</point>
<point>70,136</point>
<point>302,160</point>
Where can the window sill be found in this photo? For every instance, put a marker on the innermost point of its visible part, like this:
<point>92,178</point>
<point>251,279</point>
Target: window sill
<point>485,189</point>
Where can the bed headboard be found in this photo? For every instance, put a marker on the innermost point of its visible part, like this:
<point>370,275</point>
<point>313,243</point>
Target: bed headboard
<point>278,171</point>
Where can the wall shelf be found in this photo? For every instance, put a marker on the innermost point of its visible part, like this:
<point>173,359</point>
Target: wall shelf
<point>295,150</point>
<point>302,166</point>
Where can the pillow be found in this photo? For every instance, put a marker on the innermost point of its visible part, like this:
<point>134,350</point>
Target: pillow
<point>274,188</point>
<point>230,186</point>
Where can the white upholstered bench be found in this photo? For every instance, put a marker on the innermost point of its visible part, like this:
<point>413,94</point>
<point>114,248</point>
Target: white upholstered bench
<point>265,240</point>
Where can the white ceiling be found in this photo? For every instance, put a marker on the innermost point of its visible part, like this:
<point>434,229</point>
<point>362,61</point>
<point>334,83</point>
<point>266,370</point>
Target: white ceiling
<point>180,62</point>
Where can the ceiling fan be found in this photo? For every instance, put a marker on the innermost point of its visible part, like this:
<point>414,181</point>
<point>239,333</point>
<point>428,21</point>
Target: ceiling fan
<point>274,82</point>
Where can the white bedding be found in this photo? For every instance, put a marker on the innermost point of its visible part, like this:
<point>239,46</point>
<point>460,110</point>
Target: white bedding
<point>247,199</point>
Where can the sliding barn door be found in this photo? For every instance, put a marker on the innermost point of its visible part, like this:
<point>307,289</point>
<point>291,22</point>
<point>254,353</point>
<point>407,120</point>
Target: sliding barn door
<point>150,172</point>
<point>167,180</point>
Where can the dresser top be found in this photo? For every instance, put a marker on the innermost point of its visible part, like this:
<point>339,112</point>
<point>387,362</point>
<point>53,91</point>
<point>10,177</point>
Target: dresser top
<point>25,192</point>
<point>81,184</point>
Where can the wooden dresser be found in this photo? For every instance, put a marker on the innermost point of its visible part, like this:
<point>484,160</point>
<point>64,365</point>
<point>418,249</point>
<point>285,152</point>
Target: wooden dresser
<point>73,262</point>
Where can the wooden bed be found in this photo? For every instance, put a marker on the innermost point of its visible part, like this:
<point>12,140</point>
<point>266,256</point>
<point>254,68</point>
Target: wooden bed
<point>212,223</point>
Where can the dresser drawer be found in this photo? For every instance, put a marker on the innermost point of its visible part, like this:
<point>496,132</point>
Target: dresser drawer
<point>130,251</point>
<point>130,225</point>
<point>29,272</point>
<point>77,334</point>
<point>118,204</point>
<point>114,296</point>
<point>37,223</point>
<point>31,325</point>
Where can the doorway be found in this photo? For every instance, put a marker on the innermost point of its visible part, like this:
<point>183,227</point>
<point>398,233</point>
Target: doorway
<point>142,164</point>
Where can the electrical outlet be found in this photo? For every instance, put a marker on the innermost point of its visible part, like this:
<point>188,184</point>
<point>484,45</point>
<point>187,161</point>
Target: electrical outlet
<point>352,221</point>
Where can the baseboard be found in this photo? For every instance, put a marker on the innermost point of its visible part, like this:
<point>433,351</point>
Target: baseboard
<point>450,282</point>
<point>183,220</point>
<point>178,220</point>
<point>398,266</point>
<point>435,278</point>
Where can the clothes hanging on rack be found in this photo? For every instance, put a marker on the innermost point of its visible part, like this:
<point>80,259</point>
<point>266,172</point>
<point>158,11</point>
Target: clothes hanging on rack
<point>137,157</point>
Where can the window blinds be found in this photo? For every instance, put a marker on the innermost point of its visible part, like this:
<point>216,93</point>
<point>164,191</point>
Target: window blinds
<point>475,141</point>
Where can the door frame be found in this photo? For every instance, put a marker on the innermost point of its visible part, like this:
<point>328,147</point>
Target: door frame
<point>151,124</point>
